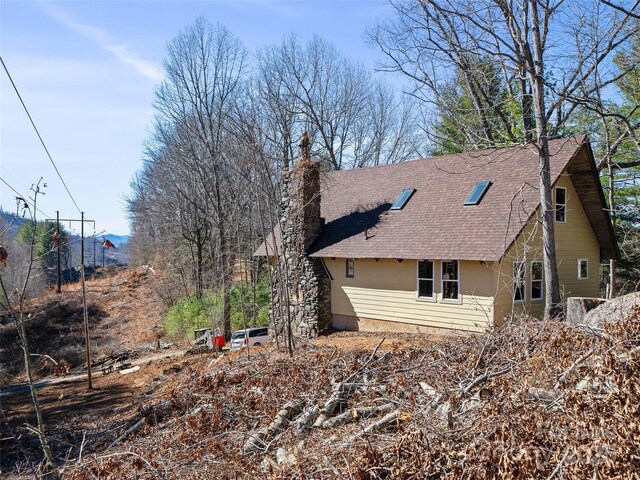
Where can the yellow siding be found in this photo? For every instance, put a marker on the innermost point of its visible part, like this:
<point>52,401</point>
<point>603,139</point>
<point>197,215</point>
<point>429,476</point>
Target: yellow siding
<point>387,290</point>
<point>574,240</point>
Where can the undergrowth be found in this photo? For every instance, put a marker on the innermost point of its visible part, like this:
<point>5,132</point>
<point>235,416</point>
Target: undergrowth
<point>191,313</point>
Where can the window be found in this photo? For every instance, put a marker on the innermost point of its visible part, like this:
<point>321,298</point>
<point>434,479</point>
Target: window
<point>425,279</point>
<point>403,199</point>
<point>450,280</point>
<point>561,204</point>
<point>583,268</point>
<point>258,332</point>
<point>351,268</point>
<point>536,280</point>
<point>519,281</point>
<point>477,193</point>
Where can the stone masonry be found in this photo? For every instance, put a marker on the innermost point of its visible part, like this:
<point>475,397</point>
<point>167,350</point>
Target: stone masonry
<point>299,282</point>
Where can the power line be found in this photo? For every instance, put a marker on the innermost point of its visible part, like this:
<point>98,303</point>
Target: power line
<point>38,133</point>
<point>26,199</point>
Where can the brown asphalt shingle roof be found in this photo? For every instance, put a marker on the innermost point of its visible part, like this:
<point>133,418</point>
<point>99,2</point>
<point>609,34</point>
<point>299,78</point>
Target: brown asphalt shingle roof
<point>434,224</point>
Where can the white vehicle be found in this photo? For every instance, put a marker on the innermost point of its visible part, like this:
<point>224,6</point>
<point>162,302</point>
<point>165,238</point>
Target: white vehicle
<point>256,336</point>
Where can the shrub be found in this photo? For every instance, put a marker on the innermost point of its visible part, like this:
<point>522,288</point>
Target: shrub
<point>190,313</point>
<point>242,304</point>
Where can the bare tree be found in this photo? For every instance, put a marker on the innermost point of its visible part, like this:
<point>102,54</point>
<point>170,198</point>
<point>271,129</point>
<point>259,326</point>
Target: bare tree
<point>528,40</point>
<point>354,120</point>
<point>205,68</point>
<point>13,306</point>
<point>224,135</point>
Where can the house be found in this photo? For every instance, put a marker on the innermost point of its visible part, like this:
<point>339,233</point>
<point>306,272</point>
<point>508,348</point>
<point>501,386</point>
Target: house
<point>451,242</point>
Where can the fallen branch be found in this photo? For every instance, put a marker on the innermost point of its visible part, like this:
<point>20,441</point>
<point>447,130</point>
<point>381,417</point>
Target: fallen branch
<point>559,466</point>
<point>43,355</point>
<point>305,421</point>
<point>340,394</point>
<point>215,360</point>
<point>575,364</point>
<point>137,426</point>
<point>258,441</point>
<point>356,414</point>
<point>544,394</point>
<point>481,379</point>
<point>381,424</point>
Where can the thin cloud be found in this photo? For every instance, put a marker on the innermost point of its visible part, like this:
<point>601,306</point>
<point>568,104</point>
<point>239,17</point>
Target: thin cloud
<point>101,38</point>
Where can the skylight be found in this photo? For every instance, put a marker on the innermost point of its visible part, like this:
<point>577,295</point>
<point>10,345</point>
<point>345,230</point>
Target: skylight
<point>477,193</point>
<point>403,199</point>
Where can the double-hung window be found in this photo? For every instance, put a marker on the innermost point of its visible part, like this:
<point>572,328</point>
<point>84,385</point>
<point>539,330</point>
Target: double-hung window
<point>561,204</point>
<point>519,281</point>
<point>425,279</point>
<point>450,280</point>
<point>536,280</point>
<point>350,268</point>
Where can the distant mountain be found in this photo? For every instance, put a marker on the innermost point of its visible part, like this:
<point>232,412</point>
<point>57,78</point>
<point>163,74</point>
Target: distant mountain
<point>6,219</point>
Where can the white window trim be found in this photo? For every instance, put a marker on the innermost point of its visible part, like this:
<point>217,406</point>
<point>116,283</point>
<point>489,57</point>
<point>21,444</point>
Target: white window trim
<point>524,280</point>
<point>555,205</point>
<point>450,300</point>
<point>580,260</point>
<point>531,280</point>
<point>433,296</point>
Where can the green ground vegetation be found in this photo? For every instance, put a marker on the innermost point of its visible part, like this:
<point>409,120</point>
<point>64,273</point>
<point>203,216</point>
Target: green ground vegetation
<point>191,313</point>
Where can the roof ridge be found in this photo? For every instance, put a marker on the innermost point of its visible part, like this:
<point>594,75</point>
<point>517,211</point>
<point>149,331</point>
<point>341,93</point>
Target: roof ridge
<point>470,154</point>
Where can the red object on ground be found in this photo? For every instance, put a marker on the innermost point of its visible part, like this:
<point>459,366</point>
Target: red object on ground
<point>218,341</point>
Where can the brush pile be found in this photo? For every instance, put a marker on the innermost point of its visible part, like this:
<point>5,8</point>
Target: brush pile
<point>532,400</point>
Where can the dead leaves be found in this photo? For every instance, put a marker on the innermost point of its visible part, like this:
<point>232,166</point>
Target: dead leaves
<point>533,400</point>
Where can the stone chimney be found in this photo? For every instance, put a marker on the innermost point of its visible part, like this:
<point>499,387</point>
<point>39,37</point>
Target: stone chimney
<point>305,286</point>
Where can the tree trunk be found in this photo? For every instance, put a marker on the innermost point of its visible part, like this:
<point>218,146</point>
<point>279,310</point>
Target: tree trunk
<point>612,211</point>
<point>526,109</point>
<point>199,260</point>
<point>552,306</point>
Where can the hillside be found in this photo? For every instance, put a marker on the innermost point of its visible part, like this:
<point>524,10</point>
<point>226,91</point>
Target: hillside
<point>124,314</point>
<point>533,400</point>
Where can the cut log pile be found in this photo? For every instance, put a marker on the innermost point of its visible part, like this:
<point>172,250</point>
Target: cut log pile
<point>532,400</point>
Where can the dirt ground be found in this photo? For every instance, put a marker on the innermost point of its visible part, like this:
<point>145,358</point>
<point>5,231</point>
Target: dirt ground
<point>125,316</point>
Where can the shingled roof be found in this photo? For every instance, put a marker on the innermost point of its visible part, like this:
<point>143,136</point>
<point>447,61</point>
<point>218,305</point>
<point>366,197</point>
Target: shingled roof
<point>434,223</point>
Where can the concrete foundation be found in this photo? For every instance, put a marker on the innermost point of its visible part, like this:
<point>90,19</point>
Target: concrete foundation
<point>346,322</point>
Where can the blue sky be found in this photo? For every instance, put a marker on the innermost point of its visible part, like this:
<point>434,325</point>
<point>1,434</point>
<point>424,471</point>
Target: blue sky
<point>87,72</point>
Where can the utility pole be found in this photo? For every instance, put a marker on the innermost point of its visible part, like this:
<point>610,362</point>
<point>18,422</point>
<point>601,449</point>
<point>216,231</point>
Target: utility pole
<point>82,240</point>
<point>70,220</point>
<point>86,326</point>
<point>84,292</point>
<point>58,249</point>
<point>84,301</point>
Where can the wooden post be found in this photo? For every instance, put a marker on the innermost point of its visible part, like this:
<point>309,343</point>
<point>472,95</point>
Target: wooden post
<point>86,326</point>
<point>82,240</point>
<point>58,249</point>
